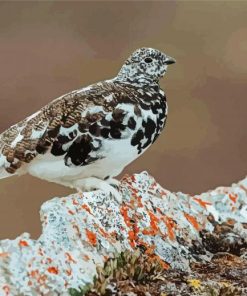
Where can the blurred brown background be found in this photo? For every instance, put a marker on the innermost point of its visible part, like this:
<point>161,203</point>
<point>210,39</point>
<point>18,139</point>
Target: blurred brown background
<point>50,48</point>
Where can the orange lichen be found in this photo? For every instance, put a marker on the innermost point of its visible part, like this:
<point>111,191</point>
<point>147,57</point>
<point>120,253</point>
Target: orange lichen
<point>124,212</point>
<point>192,221</point>
<point>137,198</point>
<point>202,203</point>
<point>153,221</point>
<point>53,270</point>
<point>134,191</point>
<point>132,237</point>
<point>154,228</point>
<point>71,212</point>
<point>160,261</point>
<point>41,278</point>
<point>152,256</point>
<point>162,192</point>
<point>153,185</point>
<point>159,210</point>
<point>75,202</point>
<point>23,243</point>
<point>34,273</point>
<point>136,229</point>
<point>149,249</point>
<point>103,232</point>
<point>148,231</point>
<point>49,260</point>
<point>91,237</point>
<point>139,202</point>
<point>170,225</point>
<point>86,257</point>
<point>231,221</point>
<point>233,197</point>
<point>86,207</point>
<point>70,258</point>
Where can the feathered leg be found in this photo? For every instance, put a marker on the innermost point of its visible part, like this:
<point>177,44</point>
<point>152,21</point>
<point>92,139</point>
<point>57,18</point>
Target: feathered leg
<point>93,183</point>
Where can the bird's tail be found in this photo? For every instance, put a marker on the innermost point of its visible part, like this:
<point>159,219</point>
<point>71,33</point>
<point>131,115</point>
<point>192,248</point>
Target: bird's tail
<point>3,172</point>
<point>3,162</point>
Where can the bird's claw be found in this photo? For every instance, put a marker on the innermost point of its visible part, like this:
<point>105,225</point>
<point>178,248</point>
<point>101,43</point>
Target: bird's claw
<point>92,183</point>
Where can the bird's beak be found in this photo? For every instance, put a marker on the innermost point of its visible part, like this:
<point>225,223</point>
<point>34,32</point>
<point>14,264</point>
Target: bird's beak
<point>169,60</point>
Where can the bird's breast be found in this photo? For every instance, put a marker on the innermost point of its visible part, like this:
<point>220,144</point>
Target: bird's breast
<point>153,113</point>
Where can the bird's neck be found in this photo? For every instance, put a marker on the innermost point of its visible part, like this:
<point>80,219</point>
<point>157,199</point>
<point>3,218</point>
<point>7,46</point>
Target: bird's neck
<point>137,80</point>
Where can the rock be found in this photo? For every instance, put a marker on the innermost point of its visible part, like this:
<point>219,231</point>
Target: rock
<point>155,241</point>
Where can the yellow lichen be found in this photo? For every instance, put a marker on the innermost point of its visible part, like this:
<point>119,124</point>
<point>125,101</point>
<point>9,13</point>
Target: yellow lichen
<point>194,283</point>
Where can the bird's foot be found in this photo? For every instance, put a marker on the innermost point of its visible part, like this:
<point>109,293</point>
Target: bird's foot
<point>93,183</point>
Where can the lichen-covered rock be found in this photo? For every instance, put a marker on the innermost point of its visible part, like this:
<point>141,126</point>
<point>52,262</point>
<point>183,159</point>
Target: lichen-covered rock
<point>84,236</point>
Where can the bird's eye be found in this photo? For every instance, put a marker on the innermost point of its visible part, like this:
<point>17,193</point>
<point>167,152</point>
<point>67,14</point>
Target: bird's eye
<point>148,60</point>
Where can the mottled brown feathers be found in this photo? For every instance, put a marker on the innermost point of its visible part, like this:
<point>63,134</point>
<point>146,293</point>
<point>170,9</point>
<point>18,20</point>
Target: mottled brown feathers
<point>39,133</point>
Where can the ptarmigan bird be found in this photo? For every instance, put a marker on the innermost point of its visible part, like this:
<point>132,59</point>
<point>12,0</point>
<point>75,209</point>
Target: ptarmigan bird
<point>85,138</point>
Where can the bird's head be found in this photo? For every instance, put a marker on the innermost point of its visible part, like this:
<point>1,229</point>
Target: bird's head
<point>145,66</point>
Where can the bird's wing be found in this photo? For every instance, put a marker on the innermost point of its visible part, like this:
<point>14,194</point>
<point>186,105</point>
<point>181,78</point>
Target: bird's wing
<point>61,123</point>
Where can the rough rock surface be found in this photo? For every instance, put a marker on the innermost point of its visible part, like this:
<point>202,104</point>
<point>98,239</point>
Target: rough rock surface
<point>155,238</point>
